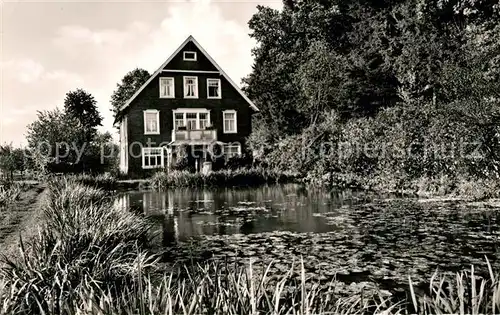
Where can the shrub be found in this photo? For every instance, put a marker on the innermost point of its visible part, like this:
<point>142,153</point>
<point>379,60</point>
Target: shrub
<point>104,181</point>
<point>183,164</point>
<point>238,162</point>
<point>407,147</point>
<point>238,177</point>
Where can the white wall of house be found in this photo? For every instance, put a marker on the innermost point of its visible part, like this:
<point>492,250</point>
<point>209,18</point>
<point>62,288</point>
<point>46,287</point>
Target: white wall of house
<point>123,146</point>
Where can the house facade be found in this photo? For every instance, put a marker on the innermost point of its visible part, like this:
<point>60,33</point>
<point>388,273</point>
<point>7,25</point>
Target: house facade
<point>188,111</point>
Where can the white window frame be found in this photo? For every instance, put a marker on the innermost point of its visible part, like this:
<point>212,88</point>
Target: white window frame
<point>231,111</point>
<point>173,87</point>
<point>189,52</point>
<point>149,149</point>
<point>184,111</point>
<point>185,78</point>
<point>152,111</point>
<point>238,145</point>
<point>219,89</point>
<point>174,112</point>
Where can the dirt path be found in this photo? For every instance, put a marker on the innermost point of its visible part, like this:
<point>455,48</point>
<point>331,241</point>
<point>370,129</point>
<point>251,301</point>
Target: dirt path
<point>20,217</point>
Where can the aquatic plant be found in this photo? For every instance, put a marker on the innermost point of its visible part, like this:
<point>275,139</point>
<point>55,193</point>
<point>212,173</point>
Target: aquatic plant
<point>103,181</point>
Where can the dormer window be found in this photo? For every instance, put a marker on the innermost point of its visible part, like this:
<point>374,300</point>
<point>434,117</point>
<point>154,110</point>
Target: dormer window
<point>190,56</point>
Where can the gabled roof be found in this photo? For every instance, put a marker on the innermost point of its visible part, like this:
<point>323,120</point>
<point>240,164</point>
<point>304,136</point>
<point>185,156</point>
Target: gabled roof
<point>157,72</point>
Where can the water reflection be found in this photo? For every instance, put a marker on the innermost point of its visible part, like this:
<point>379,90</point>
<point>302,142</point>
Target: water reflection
<point>186,213</point>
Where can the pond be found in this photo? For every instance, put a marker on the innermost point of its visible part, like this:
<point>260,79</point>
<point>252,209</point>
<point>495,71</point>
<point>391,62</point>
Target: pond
<point>352,236</point>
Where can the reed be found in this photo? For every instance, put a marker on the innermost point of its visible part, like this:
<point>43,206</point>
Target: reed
<point>462,293</point>
<point>222,178</point>
<point>9,193</point>
<point>214,289</point>
<point>102,181</point>
<point>82,244</point>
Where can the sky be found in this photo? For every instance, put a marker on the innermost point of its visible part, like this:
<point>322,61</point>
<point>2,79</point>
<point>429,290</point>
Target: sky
<point>49,48</point>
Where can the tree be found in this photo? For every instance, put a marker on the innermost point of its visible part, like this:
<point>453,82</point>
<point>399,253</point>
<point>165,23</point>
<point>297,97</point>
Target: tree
<point>322,80</point>
<point>52,139</point>
<point>8,163</point>
<point>82,106</point>
<point>130,83</point>
<point>408,72</point>
<point>101,155</point>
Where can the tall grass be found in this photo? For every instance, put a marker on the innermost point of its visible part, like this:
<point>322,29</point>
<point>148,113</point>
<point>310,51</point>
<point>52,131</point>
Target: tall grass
<point>212,289</point>
<point>223,178</point>
<point>83,243</point>
<point>462,293</point>
<point>9,193</point>
<point>103,181</point>
<point>215,289</point>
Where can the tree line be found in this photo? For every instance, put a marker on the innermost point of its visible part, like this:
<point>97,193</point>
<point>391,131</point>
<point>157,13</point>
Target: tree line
<point>422,76</point>
<point>66,140</point>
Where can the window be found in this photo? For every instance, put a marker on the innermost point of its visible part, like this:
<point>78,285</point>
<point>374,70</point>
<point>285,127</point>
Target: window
<point>203,120</point>
<point>191,121</point>
<point>229,117</point>
<point>231,150</point>
<point>213,88</point>
<point>192,118</point>
<point>178,120</point>
<point>189,56</point>
<point>167,89</point>
<point>152,157</point>
<point>190,87</point>
<point>151,122</point>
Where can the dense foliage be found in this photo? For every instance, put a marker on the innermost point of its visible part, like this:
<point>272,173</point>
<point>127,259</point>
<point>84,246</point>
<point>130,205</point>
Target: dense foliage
<point>82,107</point>
<point>68,141</point>
<point>129,84</point>
<point>221,178</point>
<point>12,160</point>
<point>385,92</point>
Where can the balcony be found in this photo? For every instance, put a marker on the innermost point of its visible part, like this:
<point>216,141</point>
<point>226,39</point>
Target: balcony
<point>194,135</point>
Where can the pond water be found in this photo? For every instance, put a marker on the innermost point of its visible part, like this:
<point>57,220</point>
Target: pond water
<point>352,236</point>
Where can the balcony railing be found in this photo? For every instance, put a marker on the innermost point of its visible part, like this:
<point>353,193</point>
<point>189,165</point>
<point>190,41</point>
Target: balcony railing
<point>197,135</point>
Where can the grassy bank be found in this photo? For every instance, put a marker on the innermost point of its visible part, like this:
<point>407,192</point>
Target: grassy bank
<point>82,242</point>
<point>102,181</point>
<point>223,178</point>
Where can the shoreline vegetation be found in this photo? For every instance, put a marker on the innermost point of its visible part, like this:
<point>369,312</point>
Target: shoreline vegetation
<point>90,257</point>
<point>423,187</point>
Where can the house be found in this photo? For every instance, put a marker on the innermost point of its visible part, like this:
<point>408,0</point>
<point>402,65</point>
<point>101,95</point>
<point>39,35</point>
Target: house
<point>189,110</point>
